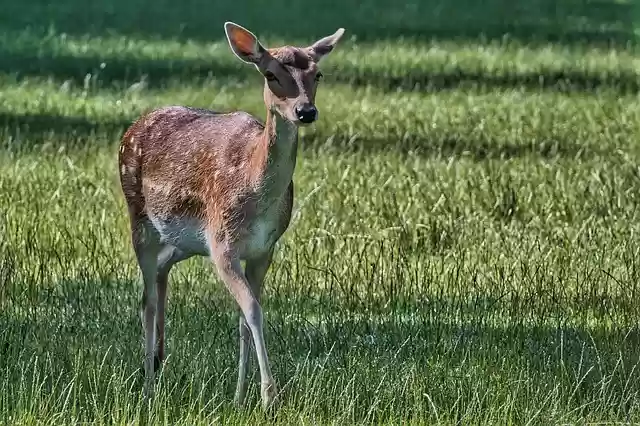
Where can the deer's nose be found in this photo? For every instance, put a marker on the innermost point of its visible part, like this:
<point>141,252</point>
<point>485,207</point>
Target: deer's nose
<point>306,113</point>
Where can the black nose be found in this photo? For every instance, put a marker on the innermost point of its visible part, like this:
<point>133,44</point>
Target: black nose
<point>306,113</point>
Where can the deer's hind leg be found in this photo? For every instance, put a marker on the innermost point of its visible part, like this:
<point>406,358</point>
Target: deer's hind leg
<point>167,257</point>
<point>146,244</point>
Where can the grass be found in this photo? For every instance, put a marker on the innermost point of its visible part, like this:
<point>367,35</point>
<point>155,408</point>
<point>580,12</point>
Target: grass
<point>465,243</point>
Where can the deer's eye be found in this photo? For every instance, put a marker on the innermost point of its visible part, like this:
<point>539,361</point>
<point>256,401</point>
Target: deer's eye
<point>319,76</point>
<point>270,76</point>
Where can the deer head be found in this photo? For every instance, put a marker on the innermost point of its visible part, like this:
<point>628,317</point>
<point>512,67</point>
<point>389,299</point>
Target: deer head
<point>291,73</point>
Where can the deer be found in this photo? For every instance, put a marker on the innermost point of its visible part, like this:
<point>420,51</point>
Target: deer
<point>220,185</point>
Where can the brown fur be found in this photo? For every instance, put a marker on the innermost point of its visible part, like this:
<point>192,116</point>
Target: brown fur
<point>186,162</point>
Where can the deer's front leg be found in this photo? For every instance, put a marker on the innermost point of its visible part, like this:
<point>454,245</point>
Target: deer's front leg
<point>230,271</point>
<point>255,272</point>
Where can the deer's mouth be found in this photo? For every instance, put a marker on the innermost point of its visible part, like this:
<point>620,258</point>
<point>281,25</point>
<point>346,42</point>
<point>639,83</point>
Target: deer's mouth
<point>302,123</point>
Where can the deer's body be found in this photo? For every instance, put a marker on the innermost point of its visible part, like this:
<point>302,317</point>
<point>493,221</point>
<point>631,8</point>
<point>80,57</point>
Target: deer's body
<point>187,173</point>
<point>220,185</point>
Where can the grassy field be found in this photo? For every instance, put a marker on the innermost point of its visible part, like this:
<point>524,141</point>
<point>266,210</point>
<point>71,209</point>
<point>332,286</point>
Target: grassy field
<point>465,247</point>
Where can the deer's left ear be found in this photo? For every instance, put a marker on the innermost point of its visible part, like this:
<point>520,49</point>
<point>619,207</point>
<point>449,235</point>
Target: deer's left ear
<point>325,45</point>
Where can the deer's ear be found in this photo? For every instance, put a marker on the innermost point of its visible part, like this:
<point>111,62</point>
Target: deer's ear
<point>325,45</point>
<point>243,43</point>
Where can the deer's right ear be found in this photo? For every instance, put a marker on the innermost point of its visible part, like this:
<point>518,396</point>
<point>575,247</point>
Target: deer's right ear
<point>325,45</point>
<point>244,43</point>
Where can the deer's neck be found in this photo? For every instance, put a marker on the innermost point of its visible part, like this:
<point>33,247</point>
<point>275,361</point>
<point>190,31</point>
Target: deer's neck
<point>276,154</point>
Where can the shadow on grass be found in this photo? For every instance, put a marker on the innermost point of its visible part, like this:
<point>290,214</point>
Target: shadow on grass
<point>623,82</point>
<point>25,132</point>
<point>569,21</point>
<point>37,126</point>
<point>121,73</point>
<point>118,73</point>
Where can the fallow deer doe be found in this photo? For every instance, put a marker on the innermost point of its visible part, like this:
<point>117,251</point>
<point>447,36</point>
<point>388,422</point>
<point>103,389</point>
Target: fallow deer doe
<point>204,183</point>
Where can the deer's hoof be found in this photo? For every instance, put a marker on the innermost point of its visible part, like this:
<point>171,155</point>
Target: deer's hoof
<point>157,364</point>
<point>269,393</point>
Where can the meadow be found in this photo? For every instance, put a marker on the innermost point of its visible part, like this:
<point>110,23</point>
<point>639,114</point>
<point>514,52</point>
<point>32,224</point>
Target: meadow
<point>465,241</point>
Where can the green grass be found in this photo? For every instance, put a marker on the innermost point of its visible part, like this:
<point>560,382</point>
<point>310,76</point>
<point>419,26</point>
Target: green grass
<point>465,244</point>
